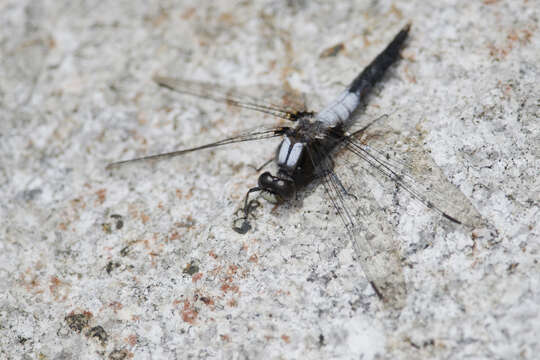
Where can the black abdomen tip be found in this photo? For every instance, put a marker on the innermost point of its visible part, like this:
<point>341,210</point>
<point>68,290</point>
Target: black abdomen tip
<point>407,27</point>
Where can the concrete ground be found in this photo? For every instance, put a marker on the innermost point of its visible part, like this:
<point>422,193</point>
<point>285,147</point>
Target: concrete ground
<point>142,263</point>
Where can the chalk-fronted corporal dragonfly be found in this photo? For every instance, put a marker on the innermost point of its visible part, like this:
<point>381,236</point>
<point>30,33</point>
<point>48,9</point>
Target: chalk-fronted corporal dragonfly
<point>306,154</point>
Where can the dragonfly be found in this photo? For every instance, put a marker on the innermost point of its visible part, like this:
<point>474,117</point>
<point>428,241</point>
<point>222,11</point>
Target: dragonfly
<point>306,156</point>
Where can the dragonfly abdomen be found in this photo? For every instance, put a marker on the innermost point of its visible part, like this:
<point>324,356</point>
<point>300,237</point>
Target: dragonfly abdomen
<point>339,110</point>
<point>374,72</point>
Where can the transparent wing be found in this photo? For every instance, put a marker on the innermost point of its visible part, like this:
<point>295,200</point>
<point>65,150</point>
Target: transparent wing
<point>370,234</point>
<point>267,99</point>
<point>257,134</point>
<point>414,172</point>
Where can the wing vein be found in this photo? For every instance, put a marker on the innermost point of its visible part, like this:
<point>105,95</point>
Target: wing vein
<point>250,136</point>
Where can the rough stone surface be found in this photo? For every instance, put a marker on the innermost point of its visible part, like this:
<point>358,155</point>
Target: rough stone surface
<point>142,262</point>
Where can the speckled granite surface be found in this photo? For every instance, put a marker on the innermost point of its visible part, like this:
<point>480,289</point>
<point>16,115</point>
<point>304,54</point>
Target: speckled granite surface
<point>142,262</point>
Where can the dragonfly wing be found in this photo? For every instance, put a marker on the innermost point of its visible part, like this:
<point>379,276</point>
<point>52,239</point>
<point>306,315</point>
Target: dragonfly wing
<point>370,234</point>
<point>268,99</point>
<point>413,171</point>
<point>255,134</point>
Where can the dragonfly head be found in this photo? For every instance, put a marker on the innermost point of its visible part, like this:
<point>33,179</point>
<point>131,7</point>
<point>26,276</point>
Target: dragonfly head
<point>276,189</point>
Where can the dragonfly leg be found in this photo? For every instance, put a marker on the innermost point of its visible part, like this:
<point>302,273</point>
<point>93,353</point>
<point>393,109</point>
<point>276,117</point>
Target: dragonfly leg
<point>257,169</point>
<point>249,206</point>
<point>265,164</point>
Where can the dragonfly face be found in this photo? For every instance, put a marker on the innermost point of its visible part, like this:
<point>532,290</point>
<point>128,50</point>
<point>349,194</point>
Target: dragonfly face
<point>276,189</point>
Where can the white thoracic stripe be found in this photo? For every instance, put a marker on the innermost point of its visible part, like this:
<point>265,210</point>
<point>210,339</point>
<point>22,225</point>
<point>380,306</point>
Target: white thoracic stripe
<point>284,151</point>
<point>294,155</point>
<point>339,110</point>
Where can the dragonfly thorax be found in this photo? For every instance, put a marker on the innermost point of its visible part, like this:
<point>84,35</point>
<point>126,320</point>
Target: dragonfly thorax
<point>289,154</point>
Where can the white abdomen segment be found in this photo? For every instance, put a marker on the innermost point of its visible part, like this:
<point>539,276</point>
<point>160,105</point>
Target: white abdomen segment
<point>339,110</point>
